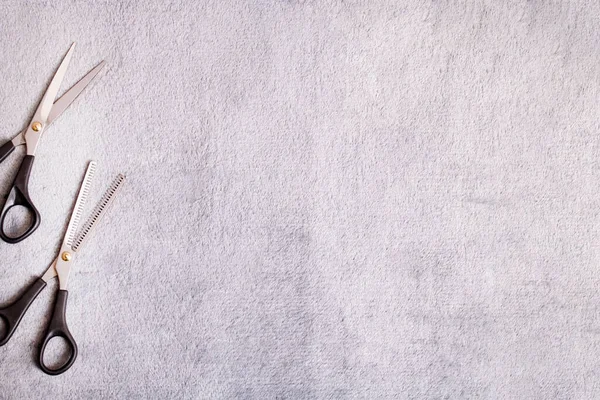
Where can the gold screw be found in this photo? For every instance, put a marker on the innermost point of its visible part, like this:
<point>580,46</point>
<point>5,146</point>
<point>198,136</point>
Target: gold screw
<point>36,126</point>
<point>66,256</point>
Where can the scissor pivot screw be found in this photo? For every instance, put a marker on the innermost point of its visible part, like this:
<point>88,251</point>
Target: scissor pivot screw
<point>36,126</point>
<point>66,256</point>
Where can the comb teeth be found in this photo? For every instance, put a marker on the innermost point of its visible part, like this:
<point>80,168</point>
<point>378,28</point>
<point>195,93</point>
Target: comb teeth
<point>99,211</point>
<point>84,192</point>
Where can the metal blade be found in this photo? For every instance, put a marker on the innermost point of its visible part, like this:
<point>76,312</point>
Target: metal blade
<point>70,95</point>
<point>48,100</point>
<point>99,211</point>
<point>65,100</point>
<point>84,191</point>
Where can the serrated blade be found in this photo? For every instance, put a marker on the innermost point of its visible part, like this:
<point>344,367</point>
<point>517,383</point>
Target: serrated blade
<point>84,191</point>
<point>98,212</point>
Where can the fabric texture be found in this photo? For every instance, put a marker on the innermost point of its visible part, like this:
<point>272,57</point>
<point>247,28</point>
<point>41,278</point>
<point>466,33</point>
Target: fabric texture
<point>324,199</point>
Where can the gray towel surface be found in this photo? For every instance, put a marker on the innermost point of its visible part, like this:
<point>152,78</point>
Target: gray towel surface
<point>324,199</point>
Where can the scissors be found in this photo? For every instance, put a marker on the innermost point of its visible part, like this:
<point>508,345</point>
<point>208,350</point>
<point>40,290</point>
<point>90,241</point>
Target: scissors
<point>61,268</point>
<point>48,110</point>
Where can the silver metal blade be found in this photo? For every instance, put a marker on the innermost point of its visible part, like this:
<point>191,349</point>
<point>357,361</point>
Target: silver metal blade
<point>65,100</point>
<point>70,95</point>
<point>38,123</point>
<point>48,99</point>
<point>98,212</point>
<point>84,191</point>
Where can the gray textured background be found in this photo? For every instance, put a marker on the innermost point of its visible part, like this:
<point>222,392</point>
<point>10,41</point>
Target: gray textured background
<point>336,199</point>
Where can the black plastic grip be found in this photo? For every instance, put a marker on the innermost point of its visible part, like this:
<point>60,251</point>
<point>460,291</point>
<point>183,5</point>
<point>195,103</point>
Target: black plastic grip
<point>58,328</point>
<point>13,314</point>
<point>6,149</point>
<point>19,196</point>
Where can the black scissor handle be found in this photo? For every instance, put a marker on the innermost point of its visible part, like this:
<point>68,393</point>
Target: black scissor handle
<point>13,314</point>
<point>58,328</point>
<point>6,149</point>
<point>19,196</point>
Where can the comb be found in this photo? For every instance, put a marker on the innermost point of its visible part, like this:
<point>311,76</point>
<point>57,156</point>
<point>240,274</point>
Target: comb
<point>84,191</point>
<point>98,212</point>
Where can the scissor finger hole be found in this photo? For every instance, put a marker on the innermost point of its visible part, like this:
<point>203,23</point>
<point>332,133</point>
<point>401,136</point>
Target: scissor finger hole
<point>3,328</point>
<point>17,221</point>
<point>57,353</point>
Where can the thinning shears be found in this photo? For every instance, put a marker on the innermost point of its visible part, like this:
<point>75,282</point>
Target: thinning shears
<point>48,110</point>
<point>61,268</point>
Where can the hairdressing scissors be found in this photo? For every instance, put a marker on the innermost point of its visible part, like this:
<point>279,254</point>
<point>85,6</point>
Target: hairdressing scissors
<point>48,110</point>
<point>61,268</point>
